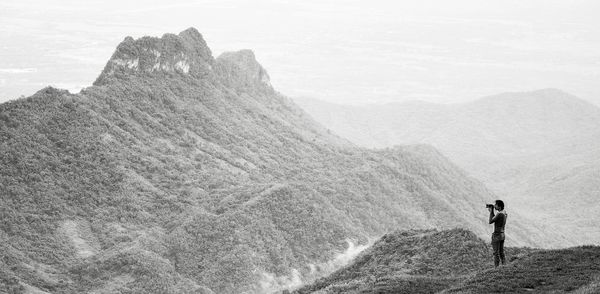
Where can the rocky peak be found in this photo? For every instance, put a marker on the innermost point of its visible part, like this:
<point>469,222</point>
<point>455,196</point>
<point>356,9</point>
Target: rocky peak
<point>51,92</point>
<point>186,53</point>
<point>194,42</point>
<point>240,69</point>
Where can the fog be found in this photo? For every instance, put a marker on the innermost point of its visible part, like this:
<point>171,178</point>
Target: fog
<point>349,52</point>
<point>271,283</point>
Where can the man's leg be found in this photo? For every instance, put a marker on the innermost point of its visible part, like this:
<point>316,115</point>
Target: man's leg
<point>496,247</point>
<point>501,251</point>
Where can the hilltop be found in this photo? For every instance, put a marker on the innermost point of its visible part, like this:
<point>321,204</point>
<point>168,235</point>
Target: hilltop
<point>536,150</point>
<point>457,261</point>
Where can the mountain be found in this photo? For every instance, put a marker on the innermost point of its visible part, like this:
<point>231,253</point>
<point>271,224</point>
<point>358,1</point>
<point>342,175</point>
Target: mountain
<point>178,172</point>
<point>539,150</point>
<point>457,261</point>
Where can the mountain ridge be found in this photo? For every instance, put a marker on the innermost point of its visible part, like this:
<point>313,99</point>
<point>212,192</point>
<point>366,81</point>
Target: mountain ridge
<point>532,149</point>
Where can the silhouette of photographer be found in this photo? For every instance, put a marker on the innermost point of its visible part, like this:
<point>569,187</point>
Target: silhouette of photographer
<point>499,221</point>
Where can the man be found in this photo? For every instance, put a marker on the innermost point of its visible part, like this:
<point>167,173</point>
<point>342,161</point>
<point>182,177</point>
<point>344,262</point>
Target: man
<point>499,220</point>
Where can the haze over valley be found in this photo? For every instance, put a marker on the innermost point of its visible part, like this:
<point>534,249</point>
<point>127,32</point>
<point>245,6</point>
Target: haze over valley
<point>538,150</point>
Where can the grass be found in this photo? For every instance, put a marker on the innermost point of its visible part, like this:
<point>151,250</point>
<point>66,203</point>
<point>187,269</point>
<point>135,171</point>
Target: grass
<point>542,271</point>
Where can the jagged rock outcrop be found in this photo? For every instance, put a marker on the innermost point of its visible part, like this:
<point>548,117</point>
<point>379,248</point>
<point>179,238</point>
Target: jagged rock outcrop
<point>241,70</point>
<point>186,54</point>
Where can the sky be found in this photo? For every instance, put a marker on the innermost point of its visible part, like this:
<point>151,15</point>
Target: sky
<point>348,52</point>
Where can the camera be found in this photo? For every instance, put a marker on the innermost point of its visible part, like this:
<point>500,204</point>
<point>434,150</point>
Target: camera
<point>489,206</point>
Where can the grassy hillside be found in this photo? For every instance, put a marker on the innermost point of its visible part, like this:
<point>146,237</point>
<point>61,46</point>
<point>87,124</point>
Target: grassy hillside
<point>573,270</point>
<point>457,261</point>
<point>409,262</point>
<point>181,173</point>
<point>536,150</point>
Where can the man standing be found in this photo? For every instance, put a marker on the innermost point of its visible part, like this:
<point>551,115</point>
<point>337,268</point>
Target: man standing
<point>499,220</point>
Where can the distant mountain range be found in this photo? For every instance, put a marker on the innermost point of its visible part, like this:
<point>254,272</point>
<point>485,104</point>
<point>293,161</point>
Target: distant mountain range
<point>456,261</point>
<point>177,172</point>
<point>539,150</point>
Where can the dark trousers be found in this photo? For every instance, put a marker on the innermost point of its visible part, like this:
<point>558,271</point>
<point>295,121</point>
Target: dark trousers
<point>498,246</point>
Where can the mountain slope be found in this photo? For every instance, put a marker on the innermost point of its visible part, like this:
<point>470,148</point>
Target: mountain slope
<point>457,261</point>
<point>181,173</point>
<point>536,150</point>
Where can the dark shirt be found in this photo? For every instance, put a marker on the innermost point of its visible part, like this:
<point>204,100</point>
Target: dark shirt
<point>499,220</point>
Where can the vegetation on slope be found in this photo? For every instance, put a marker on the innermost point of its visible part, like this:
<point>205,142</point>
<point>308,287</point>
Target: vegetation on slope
<point>415,261</point>
<point>457,261</point>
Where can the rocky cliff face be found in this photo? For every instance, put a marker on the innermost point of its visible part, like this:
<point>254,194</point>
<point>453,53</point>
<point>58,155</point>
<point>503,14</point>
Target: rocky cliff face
<point>186,54</point>
<point>241,70</point>
<point>183,54</point>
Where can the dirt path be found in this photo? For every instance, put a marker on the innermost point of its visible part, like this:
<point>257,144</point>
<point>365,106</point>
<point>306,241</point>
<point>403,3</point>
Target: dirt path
<point>81,238</point>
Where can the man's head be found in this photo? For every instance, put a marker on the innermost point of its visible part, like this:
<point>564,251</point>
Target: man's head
<point>499,205</point>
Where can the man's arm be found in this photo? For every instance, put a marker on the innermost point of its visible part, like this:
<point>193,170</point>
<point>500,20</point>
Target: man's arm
<point>492,216</point>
